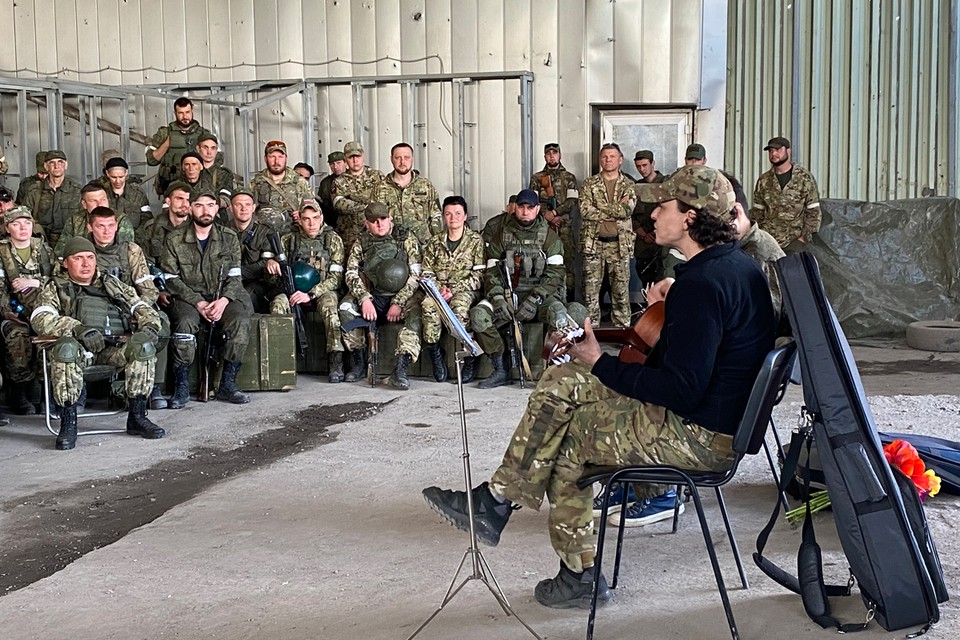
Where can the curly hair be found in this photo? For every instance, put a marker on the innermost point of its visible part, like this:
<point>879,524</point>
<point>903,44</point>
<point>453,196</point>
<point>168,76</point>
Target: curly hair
<point>707,230</point>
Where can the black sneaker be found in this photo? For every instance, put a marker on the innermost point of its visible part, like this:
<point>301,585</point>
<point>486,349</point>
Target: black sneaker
<point>571,590</point>
<point>489,518</point>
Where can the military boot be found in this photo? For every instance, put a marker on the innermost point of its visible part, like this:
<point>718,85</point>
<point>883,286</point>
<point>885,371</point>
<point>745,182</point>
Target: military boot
<point>20,403</point>
<point>181,388</point>
<point>228,391</point>
<point>335,363</point>
<point>469,369</point>
<point>67,438</point>
<point>138,424</point>
<point>359,369</point>
<point>398,379</point>
<point>439,359</point>
<point>157,401</point>
<point>501,374</point>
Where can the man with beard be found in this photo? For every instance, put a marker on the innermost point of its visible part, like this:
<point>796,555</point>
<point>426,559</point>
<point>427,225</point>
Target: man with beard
<point>152,236</point>
<point>325,191</point>
<point>54,199</point>
<point>412,199</point>
<point>786,203</point>
<point>353,190</point>
<point>92,195</point>
<point>646,251</point>
<point>278,190</point>
<point>172,141</point>
<point>558,191</point>
<point>201,254</point>
<point>125,197</point>
<point>258,268</point>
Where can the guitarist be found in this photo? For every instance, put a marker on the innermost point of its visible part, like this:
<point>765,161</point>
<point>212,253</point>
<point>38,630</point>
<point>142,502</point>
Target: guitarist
<point>681,410</point>
<point>559,196</point>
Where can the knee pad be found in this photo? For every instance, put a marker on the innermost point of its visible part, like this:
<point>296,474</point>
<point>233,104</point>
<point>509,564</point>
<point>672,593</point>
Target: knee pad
<point>577,312</point>
<point>481,316</point>
<point>139,348</point>
<point>67,350</point>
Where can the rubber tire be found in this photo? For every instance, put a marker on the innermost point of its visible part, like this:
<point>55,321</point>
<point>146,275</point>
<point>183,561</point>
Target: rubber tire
<point>934,335</point>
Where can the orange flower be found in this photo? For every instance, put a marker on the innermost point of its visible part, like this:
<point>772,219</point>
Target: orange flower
<point>903,455</point>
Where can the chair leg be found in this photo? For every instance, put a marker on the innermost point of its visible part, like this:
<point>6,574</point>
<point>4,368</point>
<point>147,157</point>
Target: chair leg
<point>598,560</point>
<point>776,475</point>
<point>676,508</point>
<point>620,530</point>
<point>708,541</point>
<point>733,540</point>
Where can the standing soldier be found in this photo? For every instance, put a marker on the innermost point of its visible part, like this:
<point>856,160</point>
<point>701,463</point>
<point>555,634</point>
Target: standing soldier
<point>123,196</point>
<point>455,261</point>
<point>558,193</point>
<point>353,190</point>
<point>278,190</point>
<point>411,198</point>
<point>216,176</point>
<point>258,265</point>
<point>382,273</point>
<point>696,154</point>
<point>27,183</point>
<point>646,251</point>
<point>318,245</point>
<point>606,235</point>
<point>54,199</point>
<point>171,141</point>
<point>786,203</point>
<point>201,254</point>
<point>81,309</point>
<point>26,263</point>
<point>325,190</point>
<point>93,195</point>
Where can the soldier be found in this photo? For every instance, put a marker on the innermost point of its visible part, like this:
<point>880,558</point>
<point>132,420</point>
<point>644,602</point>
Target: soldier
<point>172,141</point>
<point>607,236</point>
<point>325,190</point>
<point>82,309</point>
<point>26,263</point>
<point>152,236</point>
<point>558,193</point>
<point>54,199</point>
<point>92,195</point>
<point>696,155</point>
<point>411,198</point>
<point>278,190</point>
<point>492,227</point>
<point>27,183</point>
<point>645,249</point>
<point>125,197</point>
<point>201,254</point>
<point>382,272</point>
<point>353,190</point>
<point>455,261</point>
<point>6,202</point>
<point>319,246</point>
<point>191,166</point>
<point>533,255</point>
<point>258,266</point>
<point>214,175</point>
<point>304,170</point>
<point>785,201</point>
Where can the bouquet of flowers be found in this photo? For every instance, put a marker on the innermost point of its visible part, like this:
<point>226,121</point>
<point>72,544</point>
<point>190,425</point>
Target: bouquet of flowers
<point>899,454</point>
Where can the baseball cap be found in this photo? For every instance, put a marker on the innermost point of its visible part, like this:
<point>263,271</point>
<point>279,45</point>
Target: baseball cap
<point>528,196</point>
<point>376,211</point>
<point>352,149</point>
<point>696,151</point>
<point>40,158</point>
<point>777,143</point>
<point>77,244</point>
<point>336,156</point>
<point>555,146</point>
<point>310,203</point>
<point>644,154</point>
<point>242,192</point>
<point>55,154</point>
<point>206,192</point>
<point>208,136</point>
<point>275,145</point>
<point>16,213</point>
<point>176,185</point>
<point>697,186</point>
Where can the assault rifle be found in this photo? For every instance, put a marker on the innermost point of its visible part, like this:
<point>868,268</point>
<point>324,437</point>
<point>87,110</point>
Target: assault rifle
<point>209,353</point>
<point>289,288</point>
<point>515,336</point>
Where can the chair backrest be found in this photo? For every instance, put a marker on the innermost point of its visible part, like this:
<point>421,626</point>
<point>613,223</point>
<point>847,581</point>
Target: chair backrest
<point>766,390</point>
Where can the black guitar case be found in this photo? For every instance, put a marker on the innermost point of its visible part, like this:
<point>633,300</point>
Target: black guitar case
<point>878,514</point>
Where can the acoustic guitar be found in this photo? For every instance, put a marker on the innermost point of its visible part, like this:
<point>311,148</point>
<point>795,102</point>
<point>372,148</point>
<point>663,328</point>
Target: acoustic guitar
<point>637,341</point>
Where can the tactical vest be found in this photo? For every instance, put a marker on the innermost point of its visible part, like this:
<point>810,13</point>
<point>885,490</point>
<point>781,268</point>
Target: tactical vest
<point>39,269</point>
<point>523,254</point>
<point>376,250</point>
<point>95,310</point>
<point>313,251</point>
<point>115,260</point>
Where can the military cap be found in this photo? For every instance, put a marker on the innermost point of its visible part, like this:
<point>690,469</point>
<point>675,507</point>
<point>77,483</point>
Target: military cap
<point>275,145</point>
<point>644,154</point>
<point>528,196</point>
<point>77,244</point>
<point>304,165</point>
<point>114,163</point>
<point>352,149</point>
<point>201,193</point>
<point>376,211</point>
<point>176,185</point>
<point>696,151</point>
<point>697,186</point>
<point>5,195</point>
<point>336,156</point>
<point>55,154</point>
<point>310,203</point>
<point>16,213</point>
<point>554,146</point>
<point>40,159</point>
<point>243,191</point>
<point>191,154</point>
<point>777,143</point>
<point>512,199</point>
<point>207,136</point>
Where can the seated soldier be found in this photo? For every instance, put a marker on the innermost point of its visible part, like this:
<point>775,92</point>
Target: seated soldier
<point>258,267</point>
<point>82,309</point>
<point>317,245</point>
<point>455,261</point>
<point>532,253</point>
<point>92,195</point>
<point>381,276</point>
<point>26,263</point>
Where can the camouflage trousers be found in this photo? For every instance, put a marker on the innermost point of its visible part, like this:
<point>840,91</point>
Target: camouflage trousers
<point>20,362</point>
<point>460,304</point>
<point>408,341</point>
<point>349,226</point>
<point>66,378</point>
<point>326,306</point>
<point>233,330</point>
<point>552,312</point>
<point>607,261</point>
<point>573,420</point>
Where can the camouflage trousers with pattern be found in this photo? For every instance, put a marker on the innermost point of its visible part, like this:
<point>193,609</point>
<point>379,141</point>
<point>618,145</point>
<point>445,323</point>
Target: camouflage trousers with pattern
<point>66,378</point>
<point>326,306</point>
<point>609,262</point>
<point>552,313</point>
<point>349,226</point>
<point>16,337</point>
<point>460,304</point>
<point>408,341</point>
<point>573,420</point>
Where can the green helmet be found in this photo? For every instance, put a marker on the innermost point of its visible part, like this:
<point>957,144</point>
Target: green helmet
<point>305,277</point>
<point>392,274</point>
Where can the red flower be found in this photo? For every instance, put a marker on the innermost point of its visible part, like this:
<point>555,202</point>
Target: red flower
<point>903,455</point>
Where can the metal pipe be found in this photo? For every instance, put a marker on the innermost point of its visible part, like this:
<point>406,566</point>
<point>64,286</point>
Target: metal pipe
<point>526,127</point>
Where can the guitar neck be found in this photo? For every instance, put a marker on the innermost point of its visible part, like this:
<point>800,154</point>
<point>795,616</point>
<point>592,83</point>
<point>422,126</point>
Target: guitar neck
<point>618,335</point>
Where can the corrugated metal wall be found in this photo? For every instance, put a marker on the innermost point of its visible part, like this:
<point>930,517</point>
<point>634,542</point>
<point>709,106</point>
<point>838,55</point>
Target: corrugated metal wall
<point>862,88</point>
<point>598,51</point>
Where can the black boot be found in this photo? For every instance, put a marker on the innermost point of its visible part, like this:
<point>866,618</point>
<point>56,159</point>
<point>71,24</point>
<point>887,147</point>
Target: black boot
<point>157,401</point>
<point>359,369</point>
<point>138,424</point>
<point>228,391</point>
<point>181,389</point>
<point>335,363</point>
<point>439,359</point>
<point>82,401</point>
<point>21,404</point>
<point>501,374</point>
<point>67,439</point>
<point>468,370</point>
<point>489,515</point>
<point>571,590</point>
<point>398,379</point>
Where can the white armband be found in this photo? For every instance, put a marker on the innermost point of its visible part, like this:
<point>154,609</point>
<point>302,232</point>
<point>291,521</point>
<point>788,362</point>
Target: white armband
<point>573,193</point>
<point>336,267</point>
<point>44,309</point>
<point>555,260</point>
<point>143,279</point>
<point>813,205</point>
<point>234,272</point>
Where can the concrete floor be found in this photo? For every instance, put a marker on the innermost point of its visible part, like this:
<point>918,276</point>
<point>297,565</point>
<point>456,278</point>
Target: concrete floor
<point>300,516</point>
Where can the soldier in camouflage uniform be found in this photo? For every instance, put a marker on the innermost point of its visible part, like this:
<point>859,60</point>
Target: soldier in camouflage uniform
<point>558,193</point>
<point>278,190</point>
<point>28,182</point>
<point>455,262</point>
<point>54,199</point>
<point>646,251</point>
<point>411,198</point>
<point>319,246</point>
<point>214,175</point>
<point>492,227</point>
<point>258,266</point>
<point>202,254</point>
<point>353,190</point>
<point>151,236</point>
<point>325,191</point>
<point>786,202</point>
<point>598,410</point>
<point>172,141</point>
<point>92,195</point>
<point>191,166</point>
<point>607,200</point>
<point>26,263</point>
<point>382,276</point>
<point>85,309</point>
<point>125,197</point>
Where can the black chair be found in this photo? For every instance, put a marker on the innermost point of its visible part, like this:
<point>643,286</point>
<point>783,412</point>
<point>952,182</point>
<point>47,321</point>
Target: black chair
<point>774,460</point>
<point>748,439</point>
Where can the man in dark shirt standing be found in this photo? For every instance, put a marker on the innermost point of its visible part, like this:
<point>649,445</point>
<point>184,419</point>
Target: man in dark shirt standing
<point>680,409</point>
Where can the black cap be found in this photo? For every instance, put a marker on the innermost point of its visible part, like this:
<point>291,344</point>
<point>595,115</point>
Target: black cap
<point>528,196</point>
<point>191,154</point>
<point>777,143</point>
<point>113,163</point>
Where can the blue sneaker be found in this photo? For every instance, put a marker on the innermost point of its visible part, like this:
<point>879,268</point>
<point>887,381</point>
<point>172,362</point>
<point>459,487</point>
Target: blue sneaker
<point>616,501</point>
<point>647,511</point>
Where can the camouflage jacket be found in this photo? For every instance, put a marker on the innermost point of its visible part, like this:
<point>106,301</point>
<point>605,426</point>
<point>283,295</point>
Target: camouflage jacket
<point>221,180</point>
<point>255,250</point>
<point>415,207</point>
<point>642,210</point>
<point>351,194</point>
<point>460,269</point>
<point>39,265</point>
<point>125,260</point>
<point>595,209</point>
<point>24,188</point>
<point>196,273</point>
<point>492,227</point>
<point>275,200</point>
<point>539,251</point>
<point>564,187</point>
<point>762,247</point>
<point>58,305</point>
<point>181,141</point>
<point>359,270</point>
<point>324,253</point>
<point>132,203</point>
<point>77,226</point>
<point>152,235</point>
<point>53,207</point>
<point>787,213</point>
